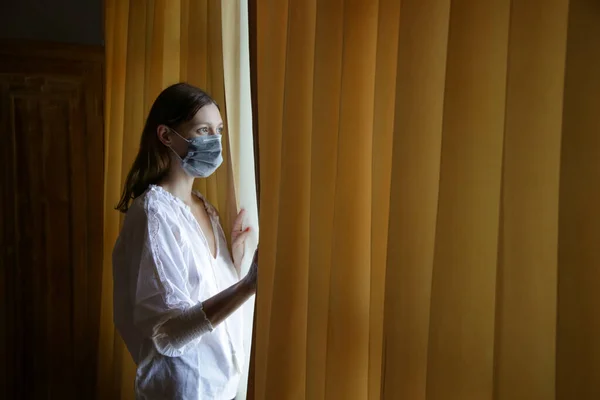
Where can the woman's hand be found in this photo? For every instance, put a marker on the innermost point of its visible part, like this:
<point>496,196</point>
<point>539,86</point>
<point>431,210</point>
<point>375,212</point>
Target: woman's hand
<point>238,238</point>
<point>251,278</point>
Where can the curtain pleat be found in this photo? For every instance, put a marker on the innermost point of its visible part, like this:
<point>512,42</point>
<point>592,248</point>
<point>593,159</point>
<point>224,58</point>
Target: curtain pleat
<point>383,129</point>
<point>325,125</point>
<point>271,22</point>
<point>578,330</point>
<point>429,174</point>
<point>465,251</point>
<point>526,313</point>
<point>414,190</point>
<point>110,347</point>
<point>349,289</point>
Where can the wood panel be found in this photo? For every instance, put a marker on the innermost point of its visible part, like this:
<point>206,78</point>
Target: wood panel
<point>51,218</point>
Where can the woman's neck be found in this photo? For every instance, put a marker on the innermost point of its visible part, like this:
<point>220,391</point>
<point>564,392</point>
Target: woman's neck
<point>179,184</point>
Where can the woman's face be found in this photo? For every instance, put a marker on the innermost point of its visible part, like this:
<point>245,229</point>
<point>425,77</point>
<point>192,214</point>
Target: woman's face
<point>207,121</point>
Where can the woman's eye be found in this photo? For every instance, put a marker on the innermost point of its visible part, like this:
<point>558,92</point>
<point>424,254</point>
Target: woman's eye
<point>220,130</point>
<point>203,131</point>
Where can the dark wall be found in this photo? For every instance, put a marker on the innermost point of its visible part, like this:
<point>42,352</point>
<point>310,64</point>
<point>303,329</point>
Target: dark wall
<point>70,21</point>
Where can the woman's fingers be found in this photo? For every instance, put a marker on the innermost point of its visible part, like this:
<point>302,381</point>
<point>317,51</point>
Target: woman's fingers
<point>240,238</point>
<point>237,224</point>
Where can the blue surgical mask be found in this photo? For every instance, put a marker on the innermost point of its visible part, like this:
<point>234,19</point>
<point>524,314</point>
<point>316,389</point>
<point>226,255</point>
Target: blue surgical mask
<point>204,155</point>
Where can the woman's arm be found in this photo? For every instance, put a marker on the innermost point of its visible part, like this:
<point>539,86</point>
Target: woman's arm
<point>223,304</point>
<point>202,318</point>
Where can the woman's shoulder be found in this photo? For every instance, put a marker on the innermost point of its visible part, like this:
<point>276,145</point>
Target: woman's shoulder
<point>157,200</point>
<point>148,205</point>
<point>154,212</point>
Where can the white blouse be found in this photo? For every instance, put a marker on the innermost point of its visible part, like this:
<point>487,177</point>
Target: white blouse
<point>162,265</point>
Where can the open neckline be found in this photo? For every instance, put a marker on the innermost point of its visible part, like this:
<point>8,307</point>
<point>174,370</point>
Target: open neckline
<point>209,211</point>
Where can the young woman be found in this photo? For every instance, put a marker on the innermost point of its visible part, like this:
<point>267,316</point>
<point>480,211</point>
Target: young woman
<point>177,287</point>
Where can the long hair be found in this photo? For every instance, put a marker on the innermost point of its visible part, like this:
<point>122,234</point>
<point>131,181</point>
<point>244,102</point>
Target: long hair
<point>175,105</point>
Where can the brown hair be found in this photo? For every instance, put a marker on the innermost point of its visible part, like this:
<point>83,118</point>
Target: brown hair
<point>175,105</point>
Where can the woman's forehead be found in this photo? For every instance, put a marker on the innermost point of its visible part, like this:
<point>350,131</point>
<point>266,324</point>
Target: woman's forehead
<point>209,114</point>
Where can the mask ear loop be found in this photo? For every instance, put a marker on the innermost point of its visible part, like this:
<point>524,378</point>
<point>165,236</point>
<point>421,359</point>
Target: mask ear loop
<point>174,152</point>
<point>177,133</point>
<point>171,148</point>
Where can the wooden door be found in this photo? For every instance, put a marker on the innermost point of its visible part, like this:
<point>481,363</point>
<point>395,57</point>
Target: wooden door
<point>51,175</point>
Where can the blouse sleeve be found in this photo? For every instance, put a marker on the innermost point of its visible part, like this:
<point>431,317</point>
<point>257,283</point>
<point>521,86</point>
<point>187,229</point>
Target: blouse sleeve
<point>162,286</point>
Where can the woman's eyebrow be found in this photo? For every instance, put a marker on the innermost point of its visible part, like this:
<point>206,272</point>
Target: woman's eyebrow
<point>206,123</point>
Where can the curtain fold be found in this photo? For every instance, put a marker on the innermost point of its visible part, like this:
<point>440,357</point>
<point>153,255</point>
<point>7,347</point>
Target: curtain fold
<point>428,174</point>
<point>151,44</point>
<point>578,328</point>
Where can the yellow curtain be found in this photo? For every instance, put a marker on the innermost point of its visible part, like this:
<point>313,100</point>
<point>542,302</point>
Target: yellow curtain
<point>151,44</point>
<point>429,184</point>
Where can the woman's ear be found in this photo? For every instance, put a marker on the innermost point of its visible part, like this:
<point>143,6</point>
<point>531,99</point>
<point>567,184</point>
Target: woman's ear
<point>164,135</point>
